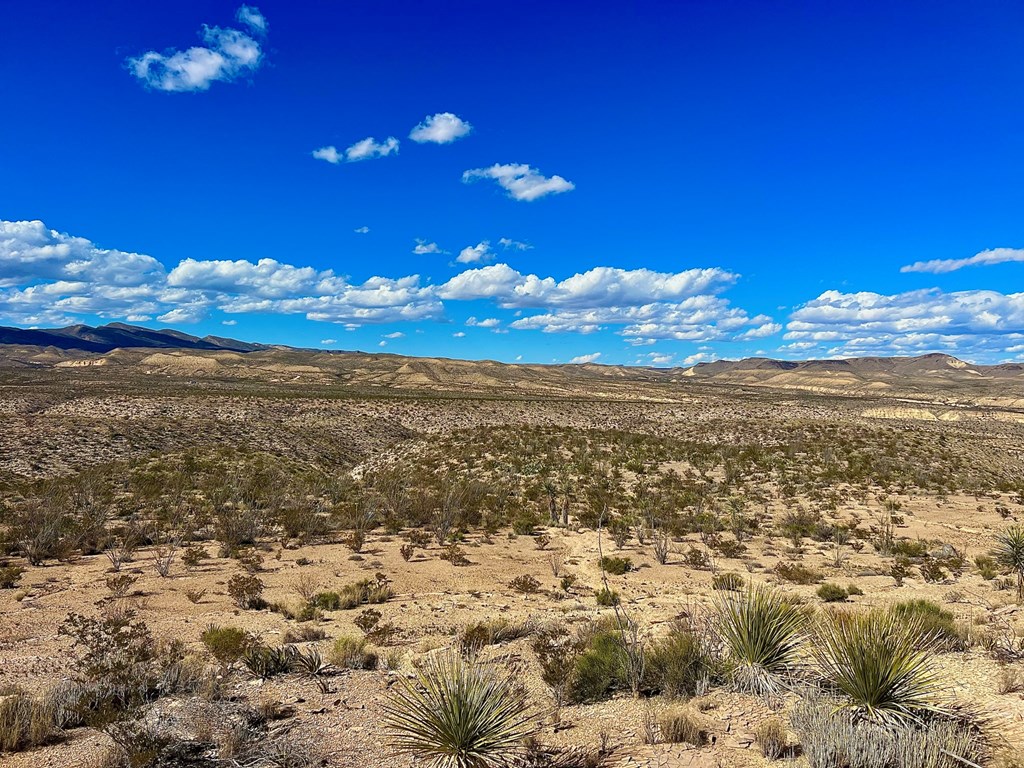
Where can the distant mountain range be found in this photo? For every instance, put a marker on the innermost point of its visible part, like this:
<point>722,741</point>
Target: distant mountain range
<point>107,338</point>
<point>81,350</point>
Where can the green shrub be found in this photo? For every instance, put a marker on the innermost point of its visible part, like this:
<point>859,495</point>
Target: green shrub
<point>10,575</point>
<point>265,662</point>
<point>679,663</point>
<point>606,597</point>
<point>459,713</point>
<point>934,621</point>
<point>617,566</point>
<point>730,582</point>
<point>853,589</point>
<point>986,565</point>
<point>797,573</point>
<point>525,584</point>
<point>246,590</point>
<point>762,631</point>
<point>226,644</point>
<point>832,593</point>
<point>600,669</point>
<point>348,652</point>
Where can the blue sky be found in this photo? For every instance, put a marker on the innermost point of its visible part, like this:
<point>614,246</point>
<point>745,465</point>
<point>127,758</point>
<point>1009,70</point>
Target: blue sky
<point>652,183</point>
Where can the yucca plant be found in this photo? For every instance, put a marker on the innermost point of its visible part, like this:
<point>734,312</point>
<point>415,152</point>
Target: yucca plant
<point>1009,553</point>
<point>459,714</point>
<point>762,632</point>
<point>881,663</point>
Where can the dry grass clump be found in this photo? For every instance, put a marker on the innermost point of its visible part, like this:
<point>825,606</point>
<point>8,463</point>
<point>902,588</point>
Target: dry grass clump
<point>770,736</point>
<point>486,632</point>
<point>348,652</point>
<point>681,726</point>
<point>26,721</point>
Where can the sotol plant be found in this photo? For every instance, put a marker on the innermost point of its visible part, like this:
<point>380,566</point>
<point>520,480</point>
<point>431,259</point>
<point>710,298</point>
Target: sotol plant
<point>1009,553</point>
<point>762,632</point>
<point>881,663</point>
<point>459,714</point>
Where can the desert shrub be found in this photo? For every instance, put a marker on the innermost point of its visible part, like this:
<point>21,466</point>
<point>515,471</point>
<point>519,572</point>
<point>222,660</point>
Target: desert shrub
<point>195,596</point>
<point>226,644</point>
<point>26,721</point>
<point>455,555</point>
<point>366,591</point>
<point>728,581</point>
<point>460,713</point>
<point>556,650</point>
<point>680,663</point>
<point>115,649</point>
<point>697,559</point>
<point>606,597</point>
<point>192,556</point>
<point>797,573</point>
<point>832,593</point>
<point>681,726</point>
<point>986,565</point>
<point>407,551</point>
<point>880,663</point>
<point>730,548</point>
<point>525,523</point>
<point>246,590</point>
<point>770,736</point>
<point>567,582</point>
<point>480,634</point>
<point>853,589</point>
<point>900,570</point>
<point>616,566</point>
<point>304,634</point>
<point>599,669</point>
<point>1010,680</point>
<point>10,575</point>
<point>932,572</point>
<point>762,631</point>
<point>348,652</point>
<point>911,548</point>
<point>831,738</point>
<point>525,584</point>
<point>936,624</point>
<point>369,621</point>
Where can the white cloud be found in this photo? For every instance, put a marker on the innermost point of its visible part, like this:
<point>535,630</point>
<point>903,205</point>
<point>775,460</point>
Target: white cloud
<point>474,253</point>
<point>442,128</point>
<point>328,342</point>
<point>659,358</point>
<point>361,230</point>
<point>227,54</point>
<point>459,334</point>
<point>229,322</point>
<point>370,148</point>
<point>423,248</point>
<point>514,245</point>
<point>520,181</point>
<point>367,149</point>
<point>582,359</point>
<point>698,357</point>
<point>487,322</point>
<point>977,322</point>
<point>600,286</point>
<point>252,18</point>
<point>394,335</point>
<point>382,343</point>
<point>984,258</point>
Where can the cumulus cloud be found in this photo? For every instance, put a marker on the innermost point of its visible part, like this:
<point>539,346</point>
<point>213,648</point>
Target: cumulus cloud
<point>487,322</point>
<point>442,128</point>
<point>226,54</point>
<point>520,181</point>
<point>361,230</point>
<point>51,278</point>
<point>984,258</point>
<point>600,286</point>
<point>581,359</point>
<point>394,335</point>
<point>514,245</point>
<point>328,342</point>
<point>423,248</point>
<point>367,149</point>
<point>474,253</point>
<point>978,322</point>
<point>459,334</point>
